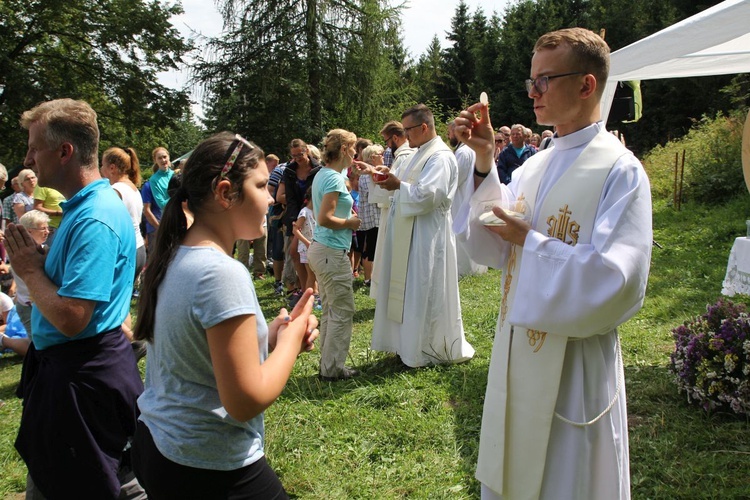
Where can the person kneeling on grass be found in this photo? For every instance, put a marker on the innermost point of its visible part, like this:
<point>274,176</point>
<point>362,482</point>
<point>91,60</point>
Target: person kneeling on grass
<point>209,376</point>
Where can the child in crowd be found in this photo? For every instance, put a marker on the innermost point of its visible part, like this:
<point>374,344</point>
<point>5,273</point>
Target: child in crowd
<point>355,254</point>
<point>209,375</point>
<point>304,228</point>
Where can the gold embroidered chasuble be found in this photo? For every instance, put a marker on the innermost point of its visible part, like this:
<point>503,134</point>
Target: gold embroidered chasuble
<point>517,414</point>
<point>403,227</point>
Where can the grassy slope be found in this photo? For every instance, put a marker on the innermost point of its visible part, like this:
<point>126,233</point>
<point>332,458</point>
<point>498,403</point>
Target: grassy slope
<point>392,433</point>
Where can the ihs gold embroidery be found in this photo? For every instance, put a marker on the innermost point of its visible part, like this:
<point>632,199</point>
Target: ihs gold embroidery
<point>562,227</point>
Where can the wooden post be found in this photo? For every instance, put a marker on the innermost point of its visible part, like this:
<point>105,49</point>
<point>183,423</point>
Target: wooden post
<point>674,189</point>
<point>682,176</point>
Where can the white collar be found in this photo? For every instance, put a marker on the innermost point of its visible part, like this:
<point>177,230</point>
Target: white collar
<point>577,138</point>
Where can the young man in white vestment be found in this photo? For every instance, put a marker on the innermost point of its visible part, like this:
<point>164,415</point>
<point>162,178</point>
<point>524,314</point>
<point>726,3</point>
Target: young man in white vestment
<point>394,137</point>
<point>418,311</point>
<point>555,420</point>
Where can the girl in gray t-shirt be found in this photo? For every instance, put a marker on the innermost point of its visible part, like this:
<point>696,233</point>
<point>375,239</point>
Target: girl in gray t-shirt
<point>209,374</point>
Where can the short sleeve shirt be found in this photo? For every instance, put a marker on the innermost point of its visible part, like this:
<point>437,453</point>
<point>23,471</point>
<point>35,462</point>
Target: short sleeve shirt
<point>330,181</point>
<point>180,404</point>
<point>92,258</point>
<point>51,199</point>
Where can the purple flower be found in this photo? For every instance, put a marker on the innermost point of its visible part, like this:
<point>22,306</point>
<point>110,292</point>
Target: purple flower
<point>711,359</point>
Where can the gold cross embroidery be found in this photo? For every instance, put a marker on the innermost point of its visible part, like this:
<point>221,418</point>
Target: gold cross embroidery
<point>562,227</point>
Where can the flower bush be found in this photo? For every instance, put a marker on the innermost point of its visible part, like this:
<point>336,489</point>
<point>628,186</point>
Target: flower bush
<point>711,360</point>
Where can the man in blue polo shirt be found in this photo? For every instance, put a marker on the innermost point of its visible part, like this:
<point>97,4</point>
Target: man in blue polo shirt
<point>80,380</point>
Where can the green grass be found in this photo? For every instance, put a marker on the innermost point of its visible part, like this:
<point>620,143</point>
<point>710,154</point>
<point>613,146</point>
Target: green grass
<point>395,433</point>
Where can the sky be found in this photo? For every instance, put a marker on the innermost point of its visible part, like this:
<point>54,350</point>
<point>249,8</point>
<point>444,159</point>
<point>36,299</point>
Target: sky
<point>421,20</point>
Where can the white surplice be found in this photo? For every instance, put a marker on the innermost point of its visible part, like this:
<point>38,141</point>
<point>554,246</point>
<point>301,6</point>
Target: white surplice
<point>383,199</point>
<point>577,294</point>
<point>432,331</point>
<point>465,159</point>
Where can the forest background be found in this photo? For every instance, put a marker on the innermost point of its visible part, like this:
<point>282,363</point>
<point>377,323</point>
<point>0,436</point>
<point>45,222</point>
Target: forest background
<point>297,68</point>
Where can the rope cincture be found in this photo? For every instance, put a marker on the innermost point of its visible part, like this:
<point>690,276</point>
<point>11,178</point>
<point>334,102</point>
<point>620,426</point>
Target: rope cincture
<point>620,377</point>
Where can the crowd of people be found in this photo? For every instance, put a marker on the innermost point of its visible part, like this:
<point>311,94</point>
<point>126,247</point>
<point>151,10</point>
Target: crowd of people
<point>409,214</point>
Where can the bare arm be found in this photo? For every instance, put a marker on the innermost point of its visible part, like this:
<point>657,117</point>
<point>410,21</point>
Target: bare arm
<point>281,193</point>
<point>149,215</point>
<point>362,168</point>
<point>326,217</point>
<point>19,209</point>
<point>247,387</point>
<point>297,230</point>
<point>39,205</point>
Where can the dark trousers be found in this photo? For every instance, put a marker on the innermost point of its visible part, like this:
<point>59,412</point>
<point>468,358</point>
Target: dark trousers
<point>79,413</point>
<point>163,479</point>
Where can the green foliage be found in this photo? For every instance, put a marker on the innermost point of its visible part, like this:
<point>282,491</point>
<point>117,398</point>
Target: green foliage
<point>523,23</point>
<point>105,52</point>
<point>671,106</point>
<point>458,60</point>
<point>499,50</point>
<point>429,71</point>
<point>303,68</point>
<point>183,136</point>
<point>297,68</point>
<point>713,167</point>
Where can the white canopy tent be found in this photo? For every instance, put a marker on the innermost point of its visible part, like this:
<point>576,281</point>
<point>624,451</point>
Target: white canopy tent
<point>713,42</point>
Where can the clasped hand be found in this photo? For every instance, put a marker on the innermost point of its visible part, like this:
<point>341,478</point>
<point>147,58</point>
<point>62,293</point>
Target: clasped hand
<point>301,314</point>
<point>26,255</point>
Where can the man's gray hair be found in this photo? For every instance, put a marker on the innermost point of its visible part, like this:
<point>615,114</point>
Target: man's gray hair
<point>66,120</point>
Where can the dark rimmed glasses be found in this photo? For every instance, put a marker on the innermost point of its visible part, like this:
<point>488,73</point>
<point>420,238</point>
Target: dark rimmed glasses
<point>406,129</point>
<point>241,142</point>
<point>541,83</point>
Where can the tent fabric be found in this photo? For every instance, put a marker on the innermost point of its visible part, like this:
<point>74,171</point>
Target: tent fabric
<point>713,42</point>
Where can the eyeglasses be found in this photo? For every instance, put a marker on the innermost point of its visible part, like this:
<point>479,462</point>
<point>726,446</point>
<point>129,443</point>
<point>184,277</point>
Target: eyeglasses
<point>42,229</point>
<point>233,157</point>
<point>541,83</point>
<point>406,129</point>
<point>298,156</point>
